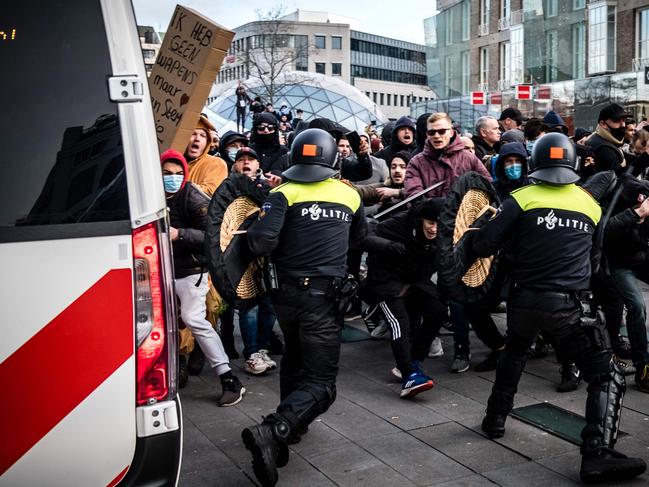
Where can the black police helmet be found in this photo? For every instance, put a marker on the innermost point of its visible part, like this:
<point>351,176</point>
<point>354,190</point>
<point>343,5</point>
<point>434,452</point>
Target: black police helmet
<point>554,160</point>
<point>313,157</point>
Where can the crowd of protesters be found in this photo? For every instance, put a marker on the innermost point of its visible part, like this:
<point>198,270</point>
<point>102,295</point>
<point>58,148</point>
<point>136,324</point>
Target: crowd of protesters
<point>406,158</point>
<point>399,296</point>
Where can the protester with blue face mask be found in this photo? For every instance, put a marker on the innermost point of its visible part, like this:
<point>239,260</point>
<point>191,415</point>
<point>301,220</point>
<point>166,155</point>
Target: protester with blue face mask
<point>187,222</point>
<point>511,169</point>
<point>231,142</point>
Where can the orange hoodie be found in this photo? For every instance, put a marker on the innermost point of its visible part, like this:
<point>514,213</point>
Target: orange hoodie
<point>206,171</point>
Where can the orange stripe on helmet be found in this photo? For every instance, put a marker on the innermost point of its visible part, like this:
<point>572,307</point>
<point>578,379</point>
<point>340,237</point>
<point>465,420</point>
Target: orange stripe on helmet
<point>556,152</point>
<point>309,150</point>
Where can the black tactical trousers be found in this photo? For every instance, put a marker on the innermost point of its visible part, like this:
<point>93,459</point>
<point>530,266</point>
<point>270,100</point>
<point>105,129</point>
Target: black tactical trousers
<point>311,326</point>
<point>558,314</point>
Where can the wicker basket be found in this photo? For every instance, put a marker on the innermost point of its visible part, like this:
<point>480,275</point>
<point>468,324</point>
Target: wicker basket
<point>235,214</point>
<point>474,204</point>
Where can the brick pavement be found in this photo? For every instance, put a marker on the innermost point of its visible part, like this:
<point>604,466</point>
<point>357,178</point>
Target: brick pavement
<point>371,437</point>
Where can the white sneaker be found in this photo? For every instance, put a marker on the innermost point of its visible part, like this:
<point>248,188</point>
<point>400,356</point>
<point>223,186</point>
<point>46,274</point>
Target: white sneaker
<point>380,330</point>
<point>436,349</point>
<point>264,355</point>
<point>397,373</point>
<point>256,364</point>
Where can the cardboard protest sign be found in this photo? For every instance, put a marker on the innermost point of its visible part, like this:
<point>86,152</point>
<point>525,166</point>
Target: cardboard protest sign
<point>185,69</point>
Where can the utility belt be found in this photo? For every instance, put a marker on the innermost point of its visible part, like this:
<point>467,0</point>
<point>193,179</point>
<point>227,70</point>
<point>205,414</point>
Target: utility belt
<point>341,289</point>
<point>531,297</point>
<point>592,320</point>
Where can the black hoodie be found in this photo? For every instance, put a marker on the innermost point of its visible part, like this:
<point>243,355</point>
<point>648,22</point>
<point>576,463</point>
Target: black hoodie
<point>388,153</point>
<point>391,275</point>
<point>273,156</point>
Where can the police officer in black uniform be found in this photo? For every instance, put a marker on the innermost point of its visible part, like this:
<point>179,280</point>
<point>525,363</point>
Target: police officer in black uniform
<point>306,225</point>
<point>551,225</point>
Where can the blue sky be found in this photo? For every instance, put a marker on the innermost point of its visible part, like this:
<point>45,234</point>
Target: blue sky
<point>400,20</point>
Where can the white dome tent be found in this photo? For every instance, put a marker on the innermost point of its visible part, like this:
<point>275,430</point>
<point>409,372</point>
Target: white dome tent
<point>319,96</point>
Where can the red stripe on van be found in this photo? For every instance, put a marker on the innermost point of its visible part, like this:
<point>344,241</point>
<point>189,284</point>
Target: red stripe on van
<point>119,478</point>
<point>64,362</point>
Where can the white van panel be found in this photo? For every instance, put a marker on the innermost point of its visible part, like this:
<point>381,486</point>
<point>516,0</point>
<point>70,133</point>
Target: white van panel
<point>141,157</point>
<point>99,432</point>
<point>44,277</point>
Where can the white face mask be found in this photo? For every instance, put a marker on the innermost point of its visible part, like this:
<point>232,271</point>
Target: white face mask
<point>232,153</point>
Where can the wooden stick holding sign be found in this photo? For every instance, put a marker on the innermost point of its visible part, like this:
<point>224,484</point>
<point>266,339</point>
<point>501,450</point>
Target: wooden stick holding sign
<point>187,65</point>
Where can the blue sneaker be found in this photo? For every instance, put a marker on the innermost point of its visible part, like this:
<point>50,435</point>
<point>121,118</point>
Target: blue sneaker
<point>415,383</point>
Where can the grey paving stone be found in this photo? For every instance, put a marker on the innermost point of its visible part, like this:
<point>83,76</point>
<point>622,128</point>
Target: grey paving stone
<point>528,475</point>
<point>473,386</point>
<point>452,405</point>
<point>301,472</point>
<point>355,422</point>
<point>384,401</point>
<point>636,424</point>
<point>531,441</point>
<point>320,439</point>
<point>414,459</point>
<point>210,476</point>
<point>468,447</point>
<point>199,451</point>
<point>353,466</point>
<point>472,481</point>
<point>634,398</point>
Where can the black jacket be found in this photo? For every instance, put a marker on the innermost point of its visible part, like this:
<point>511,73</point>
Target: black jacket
<point>551,228</point>
<point>388,153</point>
<point>626,240</point>
<point>391,275</point>
<point>273,157</point>
<point>308,228</point>
<point>188,214</point>
<point>504,186</point>
<point>482,148</point>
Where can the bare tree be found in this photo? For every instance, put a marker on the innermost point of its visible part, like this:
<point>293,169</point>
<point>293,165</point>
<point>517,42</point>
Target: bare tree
<point>272,53</point>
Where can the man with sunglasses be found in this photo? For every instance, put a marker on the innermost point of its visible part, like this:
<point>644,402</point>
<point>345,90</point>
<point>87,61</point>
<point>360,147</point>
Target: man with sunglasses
<point>264,140</point>
<point>443,159</point>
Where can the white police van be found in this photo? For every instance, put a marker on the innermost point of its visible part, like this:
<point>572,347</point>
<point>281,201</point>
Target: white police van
<point>87,323</point>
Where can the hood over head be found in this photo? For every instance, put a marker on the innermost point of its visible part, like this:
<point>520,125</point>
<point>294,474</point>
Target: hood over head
<point>267,138</point>
<point>513,135</point>
<point>404,121</point>
<point>174,155</point>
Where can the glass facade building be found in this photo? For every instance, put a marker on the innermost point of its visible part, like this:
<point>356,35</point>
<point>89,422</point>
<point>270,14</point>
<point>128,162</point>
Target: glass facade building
<point>577,55</point>
<point>385,59</point>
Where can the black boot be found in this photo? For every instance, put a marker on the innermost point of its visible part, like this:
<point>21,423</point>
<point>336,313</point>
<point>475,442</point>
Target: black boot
<point>196,360</point>
<point>267,444</point>
<point>494,425</point>
<point>600,462</point>
<point>603,464</point>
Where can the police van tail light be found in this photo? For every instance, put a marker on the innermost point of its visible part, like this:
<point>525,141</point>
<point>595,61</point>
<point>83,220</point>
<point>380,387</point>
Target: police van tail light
<point>156,367</point>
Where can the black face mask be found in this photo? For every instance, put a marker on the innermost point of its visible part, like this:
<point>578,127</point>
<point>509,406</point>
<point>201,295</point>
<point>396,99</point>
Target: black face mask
<point>265,138</point>
<point>617,133</point>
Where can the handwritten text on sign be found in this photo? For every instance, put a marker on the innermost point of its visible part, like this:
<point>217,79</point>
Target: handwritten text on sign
<point>179,81</point>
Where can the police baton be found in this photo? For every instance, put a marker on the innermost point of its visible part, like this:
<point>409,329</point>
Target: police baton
<point>407,200</point>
